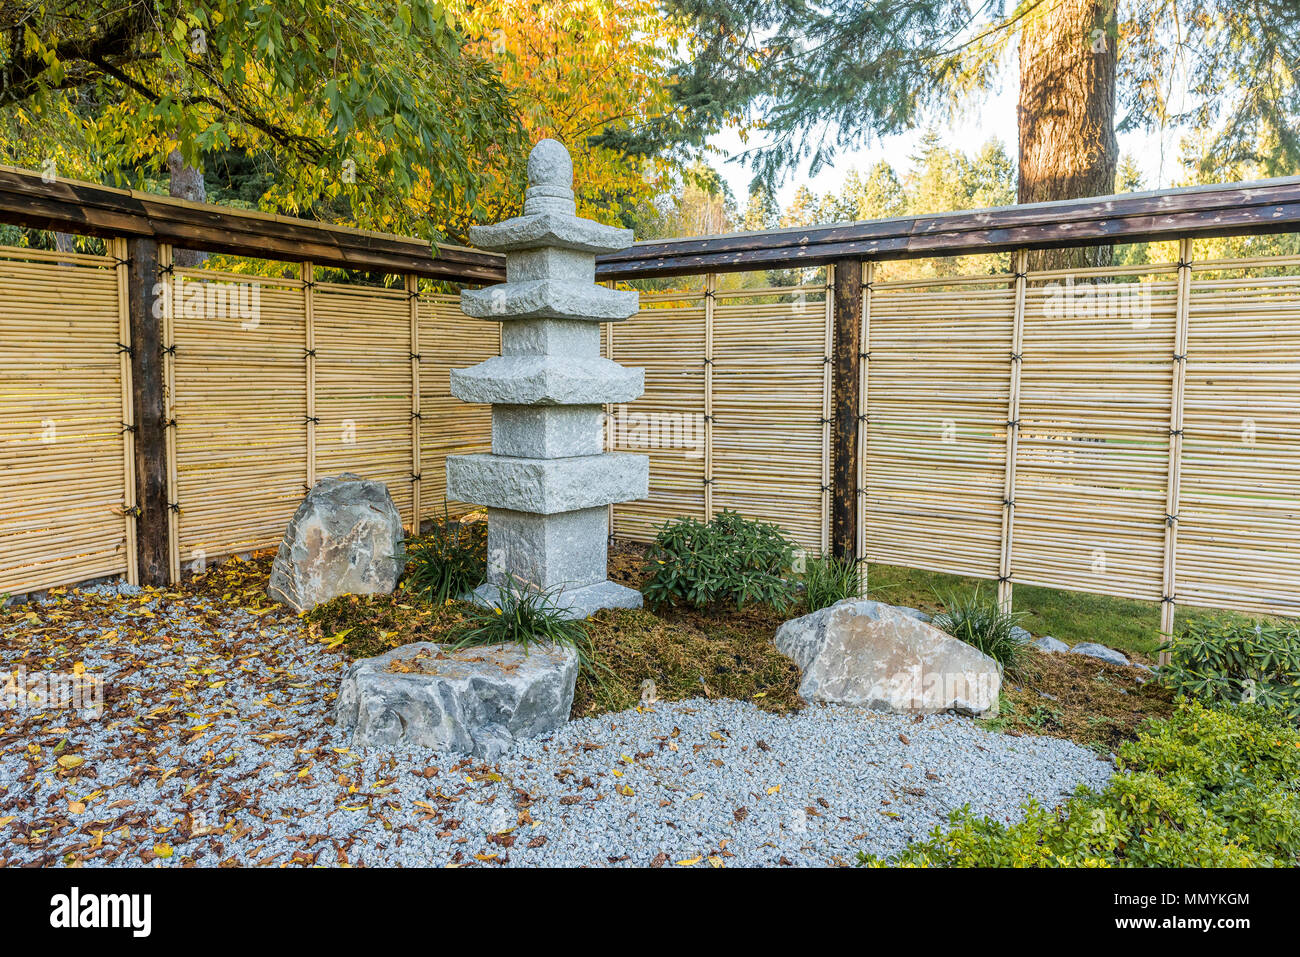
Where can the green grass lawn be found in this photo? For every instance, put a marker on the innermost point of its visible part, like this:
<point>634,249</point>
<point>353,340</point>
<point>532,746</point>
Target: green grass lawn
<point>1130,626</point>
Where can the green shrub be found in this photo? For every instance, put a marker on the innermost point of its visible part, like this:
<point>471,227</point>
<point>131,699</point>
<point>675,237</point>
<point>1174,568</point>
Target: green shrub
<point>1202,788</point>
<point>827,580</point>
<point>982,622</point>
<point>1233,661</point>
<point>447,562</point>
<point>524,617</point>
<point>731,559</point>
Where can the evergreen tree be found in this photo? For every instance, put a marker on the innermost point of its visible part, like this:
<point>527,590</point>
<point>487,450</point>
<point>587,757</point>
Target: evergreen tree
<point>838,73</point>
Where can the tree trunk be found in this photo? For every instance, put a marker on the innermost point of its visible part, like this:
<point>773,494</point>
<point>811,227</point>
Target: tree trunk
<point>186,183</point>
<point>1067,114</point>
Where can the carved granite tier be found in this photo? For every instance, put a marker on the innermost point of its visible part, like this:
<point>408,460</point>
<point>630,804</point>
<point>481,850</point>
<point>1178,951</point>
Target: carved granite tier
<point>547,380</point>
<point>547,486</point>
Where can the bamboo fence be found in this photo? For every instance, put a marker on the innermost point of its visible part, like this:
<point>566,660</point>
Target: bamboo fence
<point>66,481</point>
<point>1130,431</point>
<point>747,374</point>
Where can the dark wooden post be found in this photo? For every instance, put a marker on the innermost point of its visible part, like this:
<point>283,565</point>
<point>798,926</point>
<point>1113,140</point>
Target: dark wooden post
<point>845,386</point>
<point>150,404</point>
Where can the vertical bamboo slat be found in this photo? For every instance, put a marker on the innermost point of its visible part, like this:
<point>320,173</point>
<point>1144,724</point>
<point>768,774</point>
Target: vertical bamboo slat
<point>1179,374</point>
<point>166,266</point>
<point>1021,264</point>
<point>827,375</point>
<point>413,291</point>
<point>117,249</point>
<point>710,292</point>
<point>864,422</point>
<point>309,361</point>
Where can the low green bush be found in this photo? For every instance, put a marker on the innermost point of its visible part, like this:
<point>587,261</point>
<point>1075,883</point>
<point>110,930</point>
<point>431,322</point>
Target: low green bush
<point>729,559</point>
<point>447,562</point>
<point>1206,787</point>
<point>1234,661</point>
<point>827,580</point>
<point>983,623</point>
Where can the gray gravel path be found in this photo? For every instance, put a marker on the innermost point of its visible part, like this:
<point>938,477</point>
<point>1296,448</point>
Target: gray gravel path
<point>214,748</point>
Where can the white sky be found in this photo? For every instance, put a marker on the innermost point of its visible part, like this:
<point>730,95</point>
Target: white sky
<point>1156,155</point>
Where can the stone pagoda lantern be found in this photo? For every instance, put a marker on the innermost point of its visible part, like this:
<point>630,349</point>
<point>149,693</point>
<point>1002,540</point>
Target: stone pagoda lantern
<point>548,482</point>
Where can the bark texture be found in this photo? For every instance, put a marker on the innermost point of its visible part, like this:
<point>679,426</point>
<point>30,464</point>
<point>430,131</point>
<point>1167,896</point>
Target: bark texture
<point>1067,114</point>
<point>186,182</point>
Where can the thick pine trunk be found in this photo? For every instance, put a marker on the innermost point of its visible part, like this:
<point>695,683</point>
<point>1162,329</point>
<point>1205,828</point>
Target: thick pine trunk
<point>185,182</point>
<point>1067,114</point>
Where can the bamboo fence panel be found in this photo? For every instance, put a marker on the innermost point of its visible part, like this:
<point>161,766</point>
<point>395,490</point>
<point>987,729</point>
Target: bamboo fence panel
<point>1093,447</point>
<point>363,386</point>
<point>449,339</point>
<point>241,435</point>
<point>770,411</point>
<point>65,481</point>
<point>1238,542</point>
<point>938,374</point>
<point>667,338</point>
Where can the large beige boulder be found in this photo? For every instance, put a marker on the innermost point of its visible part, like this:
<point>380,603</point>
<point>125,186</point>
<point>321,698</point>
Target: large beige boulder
<point>876,656</point>
<point>344,539</point>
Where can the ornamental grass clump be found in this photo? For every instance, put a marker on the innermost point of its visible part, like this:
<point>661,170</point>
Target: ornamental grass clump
<point>524,616</point>
<point>984,624</point>
<point>828,580</point>
<point>729,559</point>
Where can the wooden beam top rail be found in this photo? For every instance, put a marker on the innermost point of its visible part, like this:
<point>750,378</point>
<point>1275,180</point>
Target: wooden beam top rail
<point>89,209</point>
<point>1266,206</point>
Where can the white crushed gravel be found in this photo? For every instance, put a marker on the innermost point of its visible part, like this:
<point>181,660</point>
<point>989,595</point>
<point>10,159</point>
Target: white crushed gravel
<point>215,748</point>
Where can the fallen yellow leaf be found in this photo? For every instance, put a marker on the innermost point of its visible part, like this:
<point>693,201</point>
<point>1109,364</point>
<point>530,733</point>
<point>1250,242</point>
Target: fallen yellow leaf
<point>71,761</point>
<point>163,850</point>
<point>690,862</point>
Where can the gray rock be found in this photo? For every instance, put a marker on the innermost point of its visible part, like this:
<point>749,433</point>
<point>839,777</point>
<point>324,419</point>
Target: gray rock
<point>871,654</point>
<point>912,613</point>
<point>475,700</point>
<point>344,539</point>
<point>1049,645</point>
<point>1021,635</point>
<point>1094,650</point>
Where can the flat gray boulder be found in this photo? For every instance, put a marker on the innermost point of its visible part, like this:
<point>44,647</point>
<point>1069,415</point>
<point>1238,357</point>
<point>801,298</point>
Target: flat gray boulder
<point>473,700</point>
<point>876,656</point>
<point>1094,650</point>
<point>344,539</point>
<point>1049,645</point>
<point>1021,635</point>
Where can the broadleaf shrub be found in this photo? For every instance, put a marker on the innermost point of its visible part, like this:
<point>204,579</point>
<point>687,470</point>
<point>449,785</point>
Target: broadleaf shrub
<point>729,559</point>
<point>1205,787</point>
<point>1233,661</point>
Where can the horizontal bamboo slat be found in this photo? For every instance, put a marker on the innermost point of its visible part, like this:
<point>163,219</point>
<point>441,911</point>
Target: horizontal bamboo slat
<point>62,440</point>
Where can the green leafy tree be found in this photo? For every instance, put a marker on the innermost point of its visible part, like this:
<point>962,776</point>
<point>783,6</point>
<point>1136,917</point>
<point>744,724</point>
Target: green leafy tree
<point>350,106</point>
